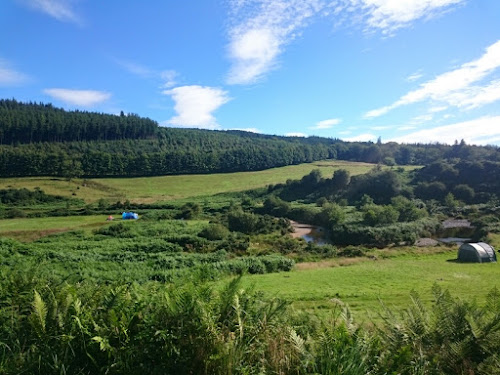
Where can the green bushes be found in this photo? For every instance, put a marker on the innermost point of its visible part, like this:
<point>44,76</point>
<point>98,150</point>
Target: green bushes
<point>120,230</point>
<point>383,235</point>
<point>214,232</point>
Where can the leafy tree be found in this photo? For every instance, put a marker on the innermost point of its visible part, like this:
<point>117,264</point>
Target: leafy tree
<point>380,215</point>
<point>332,214</point>
<point>464,193</point>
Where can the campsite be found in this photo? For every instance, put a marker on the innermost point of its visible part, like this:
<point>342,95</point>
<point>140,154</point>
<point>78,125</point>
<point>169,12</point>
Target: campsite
<point>250,187</point>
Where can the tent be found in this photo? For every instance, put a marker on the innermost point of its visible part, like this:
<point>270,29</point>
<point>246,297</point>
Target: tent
<point>130,216</point>
<point>479,252</point>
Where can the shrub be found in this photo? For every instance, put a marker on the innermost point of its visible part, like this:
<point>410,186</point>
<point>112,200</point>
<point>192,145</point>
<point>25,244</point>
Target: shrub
<point>254,265</point>
<point>15,213</point>
<point>214,232</point>
<point>121,230</point>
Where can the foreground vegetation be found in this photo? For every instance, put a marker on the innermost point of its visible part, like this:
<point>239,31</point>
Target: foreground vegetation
<point>50,327</point>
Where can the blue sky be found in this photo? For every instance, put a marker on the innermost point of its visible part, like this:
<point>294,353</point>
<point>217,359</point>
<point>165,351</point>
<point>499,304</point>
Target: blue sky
<point>403,70</point>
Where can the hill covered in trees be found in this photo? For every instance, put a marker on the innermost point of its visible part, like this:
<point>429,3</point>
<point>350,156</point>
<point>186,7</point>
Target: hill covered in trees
<point>41,140</point>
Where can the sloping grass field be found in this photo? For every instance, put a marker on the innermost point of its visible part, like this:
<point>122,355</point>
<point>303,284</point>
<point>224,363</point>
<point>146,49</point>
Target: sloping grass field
<point>165,188</point>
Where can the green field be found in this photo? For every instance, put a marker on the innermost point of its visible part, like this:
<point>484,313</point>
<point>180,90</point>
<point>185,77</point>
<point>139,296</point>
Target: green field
<point>365,283</point>
<point>164,188</point>
<point>32,228</point>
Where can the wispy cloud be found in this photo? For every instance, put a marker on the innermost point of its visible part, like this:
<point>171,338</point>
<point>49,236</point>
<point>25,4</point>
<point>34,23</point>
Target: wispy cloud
<point>415,76</point>
<point>422,118</point>
<point>326,124</point>
<point>388,16</point>
<point>137,69</point>
<point>261,29</point>
<point>456,87</point>
<point>62,10</point>
<point>195,106</point>
<point>9,76</point>
<point>168,78</point>
<point>84,98</point>
<point>483,130</point>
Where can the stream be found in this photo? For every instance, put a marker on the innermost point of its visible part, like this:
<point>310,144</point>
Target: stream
<point>310,233</point>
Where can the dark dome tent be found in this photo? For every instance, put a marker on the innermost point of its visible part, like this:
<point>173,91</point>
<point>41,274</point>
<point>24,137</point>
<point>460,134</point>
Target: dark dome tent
<point>479,252</point>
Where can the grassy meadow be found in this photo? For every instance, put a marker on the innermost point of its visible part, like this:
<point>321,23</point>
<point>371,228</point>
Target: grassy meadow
<point>364,284</point>
<point>29,229</point>
<point>167,188</point>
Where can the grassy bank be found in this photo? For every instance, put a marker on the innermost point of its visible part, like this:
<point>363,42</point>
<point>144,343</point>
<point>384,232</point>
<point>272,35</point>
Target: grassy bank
<point>164,188</point>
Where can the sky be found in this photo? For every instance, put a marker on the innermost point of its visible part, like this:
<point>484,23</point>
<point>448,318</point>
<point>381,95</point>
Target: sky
<point>359,70</point>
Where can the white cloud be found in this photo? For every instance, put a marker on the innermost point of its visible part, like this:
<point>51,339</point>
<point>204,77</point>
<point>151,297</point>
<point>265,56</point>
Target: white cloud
<point>483,130</point>
<point>84,98</point>
<point>261,28</point>
<point>438,109</point>
<point>302,135</point>
<point>326,124</point>
<point>422,118</point>
<point>195,105</point>
<point>379,111</point>
<point>475,96</point>
<point>455,87</point>
<point>9,76</point>
<point>390,15</point>
<point>58,9</point>
<point>365,137</point>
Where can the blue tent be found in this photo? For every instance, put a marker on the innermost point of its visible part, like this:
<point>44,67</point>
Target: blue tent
<point>130,216</point>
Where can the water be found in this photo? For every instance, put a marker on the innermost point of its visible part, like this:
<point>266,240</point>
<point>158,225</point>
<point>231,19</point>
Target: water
<point>456,231</point>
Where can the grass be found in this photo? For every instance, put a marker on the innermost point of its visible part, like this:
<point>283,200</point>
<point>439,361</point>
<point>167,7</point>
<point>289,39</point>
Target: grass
<point>34,228</point>
<point>165,188</point>
<point>362,284</point>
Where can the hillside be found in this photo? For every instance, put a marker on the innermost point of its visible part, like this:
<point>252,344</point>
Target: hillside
<point>41,140</point>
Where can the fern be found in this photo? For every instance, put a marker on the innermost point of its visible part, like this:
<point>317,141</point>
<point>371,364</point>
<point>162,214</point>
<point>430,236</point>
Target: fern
<point>39,314</point>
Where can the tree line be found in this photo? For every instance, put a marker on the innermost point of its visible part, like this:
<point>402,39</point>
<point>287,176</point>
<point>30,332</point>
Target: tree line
<point>41,140</point>
<point>38,122</point>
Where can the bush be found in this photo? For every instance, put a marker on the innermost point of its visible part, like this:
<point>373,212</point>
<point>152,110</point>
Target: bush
<point>380,215</point>
<point>254,265</point>
<point>383,235</point>
<point>15,213</point>
<point>464,193</point>
<point>214,232</point>
<point>117,230</point>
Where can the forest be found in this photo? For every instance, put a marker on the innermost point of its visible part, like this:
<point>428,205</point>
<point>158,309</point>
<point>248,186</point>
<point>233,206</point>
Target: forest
<point>41,140</point>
